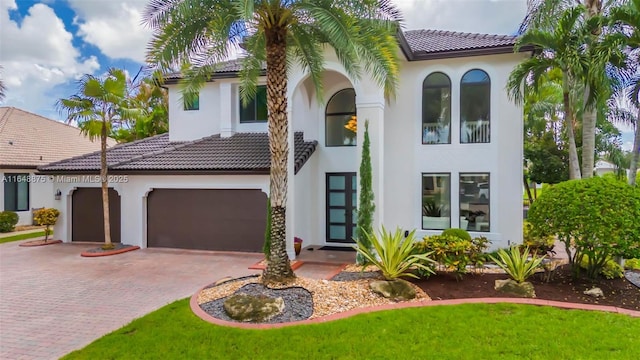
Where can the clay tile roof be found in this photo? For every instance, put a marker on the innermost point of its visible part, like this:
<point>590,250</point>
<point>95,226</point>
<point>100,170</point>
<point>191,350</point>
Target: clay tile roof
<point>28,140</point>
<point>437,41</point>
<point>242,152</point>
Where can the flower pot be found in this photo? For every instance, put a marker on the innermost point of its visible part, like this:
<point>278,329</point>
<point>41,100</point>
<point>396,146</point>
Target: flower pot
<point>297,246</point>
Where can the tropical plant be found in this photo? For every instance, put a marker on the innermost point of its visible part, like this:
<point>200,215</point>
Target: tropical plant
<point>460,233</point>
<point>366,205</point>
<point>8,221</point>
<point>430,208</point>
<point>47,217</point>
<point>535,243</point>
<point>3,89</point>
<point>516,263</point>
<point>452,252</point>
<point>596,217</point>
<point>100,105</point>
<point>632,264</point>
<point>196,35</point>
<point>394,254</point>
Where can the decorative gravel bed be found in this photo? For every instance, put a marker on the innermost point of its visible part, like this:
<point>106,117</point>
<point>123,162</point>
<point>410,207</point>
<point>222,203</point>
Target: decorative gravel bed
<point>304,298</point>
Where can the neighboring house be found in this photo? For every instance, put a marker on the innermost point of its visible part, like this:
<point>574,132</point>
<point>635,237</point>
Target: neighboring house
<point>446,152</point>
<point>26,141</point>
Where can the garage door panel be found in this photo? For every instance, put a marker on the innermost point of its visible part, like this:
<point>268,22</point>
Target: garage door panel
<point>206,219</point>
<point>87,217</point>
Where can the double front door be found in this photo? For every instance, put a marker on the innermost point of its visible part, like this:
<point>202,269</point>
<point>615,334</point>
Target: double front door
<point>341,207</point>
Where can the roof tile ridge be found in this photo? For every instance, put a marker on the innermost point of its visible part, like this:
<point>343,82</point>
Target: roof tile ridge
<point>117,146</point>
<point>171,146</point>
<point>6,117</point>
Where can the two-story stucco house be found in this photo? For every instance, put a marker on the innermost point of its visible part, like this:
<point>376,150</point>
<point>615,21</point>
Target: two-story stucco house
<point>446,152</point>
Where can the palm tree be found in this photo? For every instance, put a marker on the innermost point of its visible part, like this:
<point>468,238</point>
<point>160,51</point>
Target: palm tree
<point>559,46</point>
<point>543,14</point>
<point>196,35</point>
<point>99,105</point>
<point>2,88</point>
<point>628,16</point>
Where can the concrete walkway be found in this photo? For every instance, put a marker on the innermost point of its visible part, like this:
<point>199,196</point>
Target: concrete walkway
<point>53,301</point>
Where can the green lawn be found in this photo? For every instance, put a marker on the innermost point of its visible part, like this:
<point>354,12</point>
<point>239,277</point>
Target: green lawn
<point>472,331</point>
<point>22,237</point>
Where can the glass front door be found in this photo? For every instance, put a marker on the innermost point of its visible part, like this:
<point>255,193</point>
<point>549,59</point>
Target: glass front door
<point>341,207</point>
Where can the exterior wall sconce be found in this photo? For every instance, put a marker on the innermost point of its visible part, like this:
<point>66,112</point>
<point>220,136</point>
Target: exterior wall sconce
<point>58,194</point>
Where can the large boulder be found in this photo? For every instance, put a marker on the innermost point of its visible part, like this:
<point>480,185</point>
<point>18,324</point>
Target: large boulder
<point>397,290</point>
<point>509,286</point>
<point>252,308</point>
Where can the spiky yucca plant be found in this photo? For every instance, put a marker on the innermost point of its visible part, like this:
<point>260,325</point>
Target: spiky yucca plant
<point>516,263</point>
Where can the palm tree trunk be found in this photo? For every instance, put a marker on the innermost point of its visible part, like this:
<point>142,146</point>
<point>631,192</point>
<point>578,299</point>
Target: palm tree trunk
<point>278,267</point>
<point>588,139</point>
<point>574,166</point>
<point>105,186</point>
<point>635,153</point>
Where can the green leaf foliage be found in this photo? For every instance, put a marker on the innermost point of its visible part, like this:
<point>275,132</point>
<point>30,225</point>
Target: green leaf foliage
<point>8,221</point>
<point>394,254</point>
<point>47,217</point>
<point>453,252</point>
<point>366,204</point>
<point>516,263</point>
<point>596,217</point>
<point>460,233</point>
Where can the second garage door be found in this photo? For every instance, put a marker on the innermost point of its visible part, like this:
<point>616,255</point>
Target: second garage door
<point>207,219</point>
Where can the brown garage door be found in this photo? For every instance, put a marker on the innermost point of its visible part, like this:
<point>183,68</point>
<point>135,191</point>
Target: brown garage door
<point>206,219</point>
<point>86,215</point>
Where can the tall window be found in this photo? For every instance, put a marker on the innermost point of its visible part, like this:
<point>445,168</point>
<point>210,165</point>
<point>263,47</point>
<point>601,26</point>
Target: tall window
<point>436,109</point>
<point>474,201</point>
<point>436,201</point>
<point>475,111</point>
<point>16,192</point>
<point>340,119</point>
<point>191,102</point>
<point>256,110</point>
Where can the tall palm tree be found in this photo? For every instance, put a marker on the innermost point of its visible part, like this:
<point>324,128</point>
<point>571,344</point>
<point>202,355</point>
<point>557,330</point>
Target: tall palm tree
<point>559,52</point>
<point>280,33</point>
<point>628,16</point>
<point>99,105</point>
<point>2,88</point>
<point>543,14</point>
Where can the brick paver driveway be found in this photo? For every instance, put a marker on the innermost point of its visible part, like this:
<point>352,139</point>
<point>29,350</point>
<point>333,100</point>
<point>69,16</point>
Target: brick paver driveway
<point>53,301</point>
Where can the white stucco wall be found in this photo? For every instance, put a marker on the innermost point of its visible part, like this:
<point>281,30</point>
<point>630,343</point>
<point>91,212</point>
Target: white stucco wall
<point>40,193</point>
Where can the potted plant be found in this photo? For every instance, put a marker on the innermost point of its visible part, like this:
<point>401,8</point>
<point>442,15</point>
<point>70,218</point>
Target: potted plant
<point>432,216</point>
<point>297,245</point>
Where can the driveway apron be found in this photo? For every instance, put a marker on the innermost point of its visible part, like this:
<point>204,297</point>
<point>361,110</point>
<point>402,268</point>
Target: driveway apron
<point>53,301</point>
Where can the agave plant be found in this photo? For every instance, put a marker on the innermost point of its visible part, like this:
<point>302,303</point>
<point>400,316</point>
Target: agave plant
<point>393,254</point>
<point>516,263</point>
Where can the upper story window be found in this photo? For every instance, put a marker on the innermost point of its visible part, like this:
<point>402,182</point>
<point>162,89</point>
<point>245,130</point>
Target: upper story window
<point>16,192</point>
<point>475,110</point>
<point>191,102</point>
<point>436,109</point>
<point>256,110</point>
<point>340,119</point>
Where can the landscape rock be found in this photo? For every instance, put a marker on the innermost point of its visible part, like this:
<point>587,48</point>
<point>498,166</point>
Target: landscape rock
<point>509,286</point>
<point>595,292</point>
<point>396,290</point>
<point>253,308</point>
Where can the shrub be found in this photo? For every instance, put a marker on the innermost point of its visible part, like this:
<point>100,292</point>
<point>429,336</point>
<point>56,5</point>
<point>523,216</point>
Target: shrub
<point>393,254</point>
<point>596,217</point>
<point>516,263</point>
<point>8,221</point>
<point>537,244</point>
<point>452,252</point>
<point>47,217</point>
<point>632,264</point>
<point>367,206</point>
<point>610,270</point>
<point>462,234</point>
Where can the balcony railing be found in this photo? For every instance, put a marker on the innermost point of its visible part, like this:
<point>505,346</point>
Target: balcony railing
<point>475,132</point>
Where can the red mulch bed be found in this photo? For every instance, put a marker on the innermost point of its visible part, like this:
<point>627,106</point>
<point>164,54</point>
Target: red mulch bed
<point>617,292</point>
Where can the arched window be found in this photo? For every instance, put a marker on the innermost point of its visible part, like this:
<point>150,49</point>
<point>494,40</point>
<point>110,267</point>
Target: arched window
<point>475,110</point>
<point>340,119</point>
<point>436,109</point>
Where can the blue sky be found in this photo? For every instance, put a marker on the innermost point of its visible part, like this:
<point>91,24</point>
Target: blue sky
<point>45,46</point>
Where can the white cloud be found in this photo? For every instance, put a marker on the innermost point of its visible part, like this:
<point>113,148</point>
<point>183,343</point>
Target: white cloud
<point>478,16</point>
<point>37,55</point>
<point>115,27</point>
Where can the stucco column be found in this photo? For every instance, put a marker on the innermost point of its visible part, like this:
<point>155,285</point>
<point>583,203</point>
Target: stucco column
<point>290,215</point>
<point>227,128</point>
<point>372,109</point>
